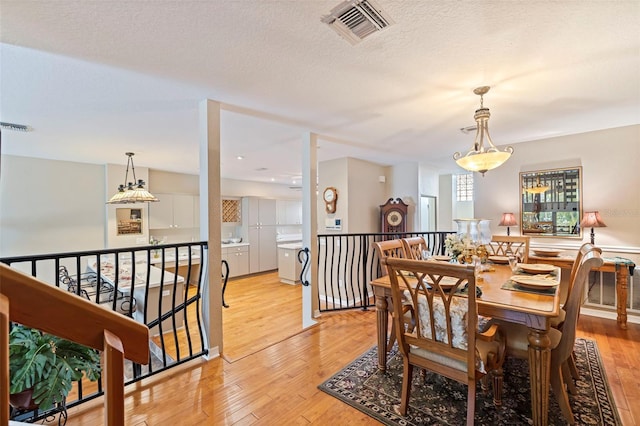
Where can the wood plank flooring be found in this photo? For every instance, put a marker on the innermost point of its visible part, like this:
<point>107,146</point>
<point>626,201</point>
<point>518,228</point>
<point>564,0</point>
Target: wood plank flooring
<point>270,369</point>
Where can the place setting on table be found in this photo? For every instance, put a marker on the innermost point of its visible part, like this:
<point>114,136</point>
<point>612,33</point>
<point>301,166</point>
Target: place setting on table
<point>538,278</point>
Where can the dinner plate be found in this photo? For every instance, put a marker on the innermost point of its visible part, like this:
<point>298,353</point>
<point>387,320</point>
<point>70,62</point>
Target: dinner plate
<point>441,258</point>
<point>534,282</point>
<point>547,252</point>
<point>536,268</point>
<point>499,259</point>
<point>445,283</point>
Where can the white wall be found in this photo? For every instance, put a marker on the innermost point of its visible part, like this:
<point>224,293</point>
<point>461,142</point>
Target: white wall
<point>334,173</point>
<point>366,193</point>
<point>610,162</point>
<point>406,186</point>
<point>50,206</point>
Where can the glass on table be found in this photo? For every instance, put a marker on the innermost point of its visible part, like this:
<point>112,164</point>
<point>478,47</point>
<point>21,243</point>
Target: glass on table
<point>513,263</point>
<point>426,255</point>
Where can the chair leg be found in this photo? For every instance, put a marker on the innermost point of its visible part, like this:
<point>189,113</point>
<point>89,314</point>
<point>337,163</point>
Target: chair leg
<point>571,362</point>
<point>497,386</point>
<point>557,384</point>
<point>568,380</point>
<point>407,373</point>
<point>471,403</point>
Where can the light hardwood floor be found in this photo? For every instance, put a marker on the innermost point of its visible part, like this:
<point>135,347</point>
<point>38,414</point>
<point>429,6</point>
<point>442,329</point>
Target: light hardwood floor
<point>270,369</point>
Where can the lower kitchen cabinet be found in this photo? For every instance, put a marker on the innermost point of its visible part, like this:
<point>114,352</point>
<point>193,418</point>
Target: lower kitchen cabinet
<point>238,259</point>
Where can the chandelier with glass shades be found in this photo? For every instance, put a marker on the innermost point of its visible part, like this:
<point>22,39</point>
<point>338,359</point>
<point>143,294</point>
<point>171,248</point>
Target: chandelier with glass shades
<point>481,158</point>
<point>131,192</point>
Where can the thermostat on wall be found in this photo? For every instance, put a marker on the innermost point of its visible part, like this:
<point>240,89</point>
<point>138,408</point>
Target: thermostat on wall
<point>333,224</point>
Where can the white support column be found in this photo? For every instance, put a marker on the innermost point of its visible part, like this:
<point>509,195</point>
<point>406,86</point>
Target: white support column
<point>210,220</point>
<point>310,307</point>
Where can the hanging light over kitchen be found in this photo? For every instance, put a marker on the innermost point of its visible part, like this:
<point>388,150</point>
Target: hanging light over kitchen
<point>131,192</point>
<point>479,158</point>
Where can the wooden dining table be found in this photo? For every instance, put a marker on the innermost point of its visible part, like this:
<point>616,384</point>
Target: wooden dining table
<point>532,310</point>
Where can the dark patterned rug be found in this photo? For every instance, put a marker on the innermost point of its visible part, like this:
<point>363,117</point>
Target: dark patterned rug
<point>436,400</point>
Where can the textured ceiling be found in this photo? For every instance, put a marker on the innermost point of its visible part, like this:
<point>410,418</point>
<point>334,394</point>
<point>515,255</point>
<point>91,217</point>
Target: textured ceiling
<point>98,78</point>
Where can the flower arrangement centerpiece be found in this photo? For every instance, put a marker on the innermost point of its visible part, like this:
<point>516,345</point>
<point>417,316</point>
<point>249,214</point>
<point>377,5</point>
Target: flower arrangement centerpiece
<point>459,247</point>
<point>469,240</point>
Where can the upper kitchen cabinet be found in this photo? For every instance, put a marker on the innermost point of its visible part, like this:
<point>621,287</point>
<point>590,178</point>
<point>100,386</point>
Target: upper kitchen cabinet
<point>173,211</point>
<point>289,212</point>
<point>259,211</point>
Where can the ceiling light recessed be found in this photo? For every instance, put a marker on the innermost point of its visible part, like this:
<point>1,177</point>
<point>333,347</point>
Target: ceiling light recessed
<point>239,157</point>
<point>261,169</point>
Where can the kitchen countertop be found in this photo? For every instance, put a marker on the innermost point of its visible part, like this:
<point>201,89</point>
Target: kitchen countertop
<point>223,245</point>
<point>290,246</point>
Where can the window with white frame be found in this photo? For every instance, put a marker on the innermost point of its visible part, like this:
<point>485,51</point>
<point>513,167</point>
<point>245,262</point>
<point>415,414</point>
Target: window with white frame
<point>464,187</point>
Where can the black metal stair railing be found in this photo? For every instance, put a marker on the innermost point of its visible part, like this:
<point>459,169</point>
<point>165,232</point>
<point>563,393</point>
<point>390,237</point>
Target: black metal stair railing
<point>166,296</point>
<point>347,263</point>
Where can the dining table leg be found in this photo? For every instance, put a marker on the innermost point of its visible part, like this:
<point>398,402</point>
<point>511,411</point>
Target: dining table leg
<point>539,373</point>
<point>382,316</point>
<point>622,279</point>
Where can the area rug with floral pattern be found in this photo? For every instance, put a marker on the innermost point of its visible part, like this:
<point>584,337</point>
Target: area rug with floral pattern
<point>436,400</point>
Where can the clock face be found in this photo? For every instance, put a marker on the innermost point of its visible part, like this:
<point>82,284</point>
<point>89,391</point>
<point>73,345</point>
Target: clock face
<point>329,195</point>
<point>394,218</point>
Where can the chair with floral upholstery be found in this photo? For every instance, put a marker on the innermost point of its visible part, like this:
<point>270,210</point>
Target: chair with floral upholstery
<point>393,248</point>
<point>443,297</point>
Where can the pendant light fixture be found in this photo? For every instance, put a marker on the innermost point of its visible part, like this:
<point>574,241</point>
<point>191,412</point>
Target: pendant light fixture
<point>131,192</point>
<point>481,159</point>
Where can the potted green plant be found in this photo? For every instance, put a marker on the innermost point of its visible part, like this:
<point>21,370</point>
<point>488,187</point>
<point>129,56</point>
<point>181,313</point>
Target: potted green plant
<point>43,367</point>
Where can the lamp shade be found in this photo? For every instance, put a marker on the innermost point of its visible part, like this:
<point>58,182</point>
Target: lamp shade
<point>592,220</point>
<point>508,219</point>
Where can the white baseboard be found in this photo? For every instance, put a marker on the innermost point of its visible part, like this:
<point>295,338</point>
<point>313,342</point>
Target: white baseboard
<point>608,315</point>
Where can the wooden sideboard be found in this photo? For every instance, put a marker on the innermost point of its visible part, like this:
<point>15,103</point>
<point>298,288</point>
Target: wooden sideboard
<point>620,268</point>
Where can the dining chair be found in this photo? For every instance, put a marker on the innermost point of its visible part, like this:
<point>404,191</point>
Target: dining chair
<point>562,341</point>
<point>557,322</point>
<point>444,340</point>
<point>388,248</point>
<point>505,245</point>
<point>394,249</point>
<point>90,287</point>
<point>413,247</point>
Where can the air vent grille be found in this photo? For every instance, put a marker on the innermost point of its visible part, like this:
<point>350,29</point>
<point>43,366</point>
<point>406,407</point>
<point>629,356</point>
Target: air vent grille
<point>357,19</point>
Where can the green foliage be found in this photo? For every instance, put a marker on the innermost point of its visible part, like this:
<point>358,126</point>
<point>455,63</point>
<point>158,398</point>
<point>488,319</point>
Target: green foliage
<point>48,364</point>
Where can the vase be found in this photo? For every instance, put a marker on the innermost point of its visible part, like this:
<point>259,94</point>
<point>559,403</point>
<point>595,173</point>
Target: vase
<point>23,400</point>
<point>476,230</point>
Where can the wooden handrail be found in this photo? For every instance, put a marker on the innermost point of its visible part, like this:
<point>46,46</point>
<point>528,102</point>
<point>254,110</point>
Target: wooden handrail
<point>4,358</point>
<point>36,304</point>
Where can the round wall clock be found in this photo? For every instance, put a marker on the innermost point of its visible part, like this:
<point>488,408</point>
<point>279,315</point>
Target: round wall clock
<point>330,197</point>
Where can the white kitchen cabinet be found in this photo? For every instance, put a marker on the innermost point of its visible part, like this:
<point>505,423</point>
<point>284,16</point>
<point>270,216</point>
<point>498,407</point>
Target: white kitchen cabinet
<point>172,211</point>
<point>238,259</point>
<point>288,266</point>
<point>262,247</point>
<point>261,211</point>
<point>289,212</point>
<point>260,215</point>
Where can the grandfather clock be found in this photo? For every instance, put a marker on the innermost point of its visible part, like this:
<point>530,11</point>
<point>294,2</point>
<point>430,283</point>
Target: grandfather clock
<point>393,216</point>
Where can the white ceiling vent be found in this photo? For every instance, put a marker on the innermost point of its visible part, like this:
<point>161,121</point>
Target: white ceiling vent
<point>355,20</point>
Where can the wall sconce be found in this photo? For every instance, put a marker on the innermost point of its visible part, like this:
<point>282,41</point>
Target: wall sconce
<point>592,220</point>
<point>508,219</point>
